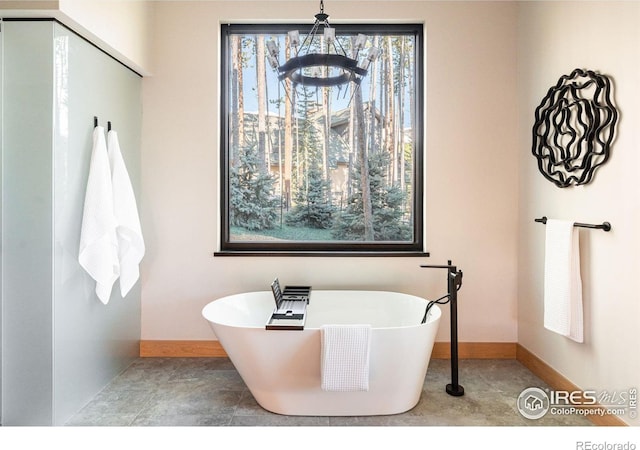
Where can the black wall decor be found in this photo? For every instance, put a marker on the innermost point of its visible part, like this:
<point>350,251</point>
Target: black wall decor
<point>574,128</point>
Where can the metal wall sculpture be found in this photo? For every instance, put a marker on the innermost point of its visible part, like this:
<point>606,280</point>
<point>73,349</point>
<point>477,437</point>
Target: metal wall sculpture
<point>574,128</point>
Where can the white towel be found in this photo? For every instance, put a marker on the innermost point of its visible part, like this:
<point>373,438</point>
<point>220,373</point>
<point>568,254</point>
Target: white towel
<point>562,282</point>
<point>98,253</point>
<point>128,231</point>
<point>345,357</point>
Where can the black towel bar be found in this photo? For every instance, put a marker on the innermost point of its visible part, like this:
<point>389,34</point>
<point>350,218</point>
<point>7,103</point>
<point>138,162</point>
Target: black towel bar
<point>606,226</point>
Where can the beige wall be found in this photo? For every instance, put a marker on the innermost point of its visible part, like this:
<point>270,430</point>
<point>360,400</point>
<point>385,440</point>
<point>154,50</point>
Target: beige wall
<point>555,38</point>
<point>471,172</point>
<point>120,27</point>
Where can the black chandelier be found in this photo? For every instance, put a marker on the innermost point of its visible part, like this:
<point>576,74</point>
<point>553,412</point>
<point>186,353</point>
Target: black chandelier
<point>304,67</point>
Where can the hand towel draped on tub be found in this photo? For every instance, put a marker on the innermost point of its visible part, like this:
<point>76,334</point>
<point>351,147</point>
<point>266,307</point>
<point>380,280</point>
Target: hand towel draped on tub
<point>345,357</point>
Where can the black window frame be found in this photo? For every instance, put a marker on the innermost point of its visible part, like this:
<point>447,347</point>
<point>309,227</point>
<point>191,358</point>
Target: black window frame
<point>324,248</point>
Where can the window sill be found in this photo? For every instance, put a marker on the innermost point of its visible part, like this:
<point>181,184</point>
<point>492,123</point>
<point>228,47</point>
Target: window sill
<point>361,254</point>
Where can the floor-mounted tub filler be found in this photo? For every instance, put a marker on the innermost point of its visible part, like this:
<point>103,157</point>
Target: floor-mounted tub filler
<point>286,370</point>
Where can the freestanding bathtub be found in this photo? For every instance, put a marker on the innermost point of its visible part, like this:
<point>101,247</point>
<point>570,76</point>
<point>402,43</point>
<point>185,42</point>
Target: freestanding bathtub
<point>281,368</point>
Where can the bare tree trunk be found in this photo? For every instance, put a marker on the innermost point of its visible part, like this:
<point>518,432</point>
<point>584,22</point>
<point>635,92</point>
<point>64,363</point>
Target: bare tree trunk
<point>352,127</point>
<point>262,102</point>
<point>238,56</point>
<point>364,168</point>
<point>373,74</point>
<point>235,119</point>
<point>288,132</point>
<point>390,142</point>
<point>326,104</point>
<point>400,140</point>
<point>412,104</point>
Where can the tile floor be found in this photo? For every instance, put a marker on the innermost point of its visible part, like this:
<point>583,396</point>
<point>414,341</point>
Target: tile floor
<point>209,392</point>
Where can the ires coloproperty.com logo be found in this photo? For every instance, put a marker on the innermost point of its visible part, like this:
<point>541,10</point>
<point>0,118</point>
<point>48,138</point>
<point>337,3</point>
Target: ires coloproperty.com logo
<point>534,403</point>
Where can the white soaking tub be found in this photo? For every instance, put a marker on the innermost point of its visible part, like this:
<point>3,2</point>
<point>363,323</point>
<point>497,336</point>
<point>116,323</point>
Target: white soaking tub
<point>282,368</point>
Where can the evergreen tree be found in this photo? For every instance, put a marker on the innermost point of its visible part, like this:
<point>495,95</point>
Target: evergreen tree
<point>253,205</point>
<point>386,205</point>
<point>311,198</point>
<point>312,207</point>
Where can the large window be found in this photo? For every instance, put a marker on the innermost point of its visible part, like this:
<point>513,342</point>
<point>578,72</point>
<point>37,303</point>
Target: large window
<point>322,170</point>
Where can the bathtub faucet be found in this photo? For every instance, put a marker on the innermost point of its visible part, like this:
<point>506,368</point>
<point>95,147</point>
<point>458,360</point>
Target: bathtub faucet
<point>454,283</point>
